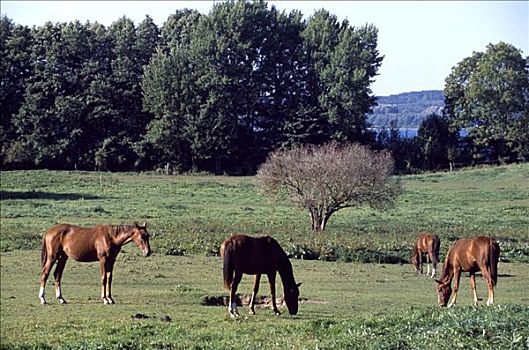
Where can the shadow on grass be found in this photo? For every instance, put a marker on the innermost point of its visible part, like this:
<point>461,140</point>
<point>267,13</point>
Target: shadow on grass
<point>46,195</point>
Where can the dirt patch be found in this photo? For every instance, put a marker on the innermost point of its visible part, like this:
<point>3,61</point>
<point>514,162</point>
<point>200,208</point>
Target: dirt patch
<point>244,300</point>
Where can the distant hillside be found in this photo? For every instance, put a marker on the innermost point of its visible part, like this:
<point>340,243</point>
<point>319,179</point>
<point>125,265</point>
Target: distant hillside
<point>408,109</point>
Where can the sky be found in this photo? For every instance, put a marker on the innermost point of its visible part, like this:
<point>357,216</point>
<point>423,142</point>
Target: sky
<point>420,40</point>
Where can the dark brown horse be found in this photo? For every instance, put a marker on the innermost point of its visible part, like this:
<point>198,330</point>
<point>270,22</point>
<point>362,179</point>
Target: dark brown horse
<point>469,255</point>
<point>257,256</point>
<point>102,242</point>
<point>426,245</point>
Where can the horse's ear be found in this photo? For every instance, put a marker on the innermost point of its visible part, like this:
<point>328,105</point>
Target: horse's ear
<point>144,225</point>
<point>299,284</point>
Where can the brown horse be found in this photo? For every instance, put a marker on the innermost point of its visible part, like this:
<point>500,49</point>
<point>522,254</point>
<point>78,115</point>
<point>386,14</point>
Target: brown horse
<point>257,256</point>
<point>102,242</point>
<point>427,245</point>
<point>469,255</point>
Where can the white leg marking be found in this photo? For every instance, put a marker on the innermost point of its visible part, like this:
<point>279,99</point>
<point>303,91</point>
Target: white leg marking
<point>41,296</point>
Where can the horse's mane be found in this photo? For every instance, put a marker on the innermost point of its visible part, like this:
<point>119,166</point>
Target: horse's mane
<point>117,230</point>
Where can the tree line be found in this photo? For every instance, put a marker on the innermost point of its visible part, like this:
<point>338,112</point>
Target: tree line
<point>215,92</point>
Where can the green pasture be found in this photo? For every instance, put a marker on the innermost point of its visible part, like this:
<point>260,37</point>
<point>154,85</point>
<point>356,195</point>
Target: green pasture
<point>193,214</point>
<point>160,305</point>
<point>358,290</point>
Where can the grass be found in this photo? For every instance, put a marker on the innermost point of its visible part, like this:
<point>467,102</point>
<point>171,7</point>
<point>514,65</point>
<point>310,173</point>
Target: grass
<point>192,215</point>
<point>343,305</point>
<point>360,294</point>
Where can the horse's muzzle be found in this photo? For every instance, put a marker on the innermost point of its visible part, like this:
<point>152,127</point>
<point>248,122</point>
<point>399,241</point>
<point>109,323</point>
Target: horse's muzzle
<point>146,253</point>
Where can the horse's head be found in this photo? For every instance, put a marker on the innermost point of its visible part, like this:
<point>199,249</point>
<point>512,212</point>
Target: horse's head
<point>140,236</point>
<point>415,261</point>
<point>291,298</point>
<point>443,292</point>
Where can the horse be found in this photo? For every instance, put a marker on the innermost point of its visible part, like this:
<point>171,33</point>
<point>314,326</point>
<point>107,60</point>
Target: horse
<point>102,242</point>
<point>243,254</point>
<point>469,255</point>
<point>428,245</point>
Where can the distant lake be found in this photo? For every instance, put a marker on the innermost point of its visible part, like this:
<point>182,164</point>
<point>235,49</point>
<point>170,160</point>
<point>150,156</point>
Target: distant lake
<point>409,133</point>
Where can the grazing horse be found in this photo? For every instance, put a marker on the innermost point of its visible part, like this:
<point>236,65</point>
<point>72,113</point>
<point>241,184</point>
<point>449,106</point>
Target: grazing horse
<point>257,256</point>
<point>102,242</point>
<point>469,255</point>
<point>428,245</point>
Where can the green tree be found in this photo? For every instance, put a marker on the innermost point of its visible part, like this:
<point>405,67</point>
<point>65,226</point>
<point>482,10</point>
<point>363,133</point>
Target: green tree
<point>436,141</point>
<point>346,60</point>
<point>50,120</point>
<point>15,69</point>
<point>488,94</point>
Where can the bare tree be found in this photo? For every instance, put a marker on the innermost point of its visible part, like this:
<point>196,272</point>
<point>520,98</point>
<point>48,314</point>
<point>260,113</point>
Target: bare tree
<point>325,179</point>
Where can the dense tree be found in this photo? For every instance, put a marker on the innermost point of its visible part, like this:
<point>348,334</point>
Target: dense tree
<point>328,178</point>
<point>488,94</point>
<point>15,68</point>
<point>436,141</point>
<point>212,92</point>
<point>346,60</point>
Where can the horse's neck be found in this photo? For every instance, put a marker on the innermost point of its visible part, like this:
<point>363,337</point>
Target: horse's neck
<point>448,272</point>
<point>286,273</point>
<point>120,235</point>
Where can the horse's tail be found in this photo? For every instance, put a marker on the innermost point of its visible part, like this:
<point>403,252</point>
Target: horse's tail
<point>43,252</point>
<point>226,252</point>
<point>494,257</point>
<point>436,248</point>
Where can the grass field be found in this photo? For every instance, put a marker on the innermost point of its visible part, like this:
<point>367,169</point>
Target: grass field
<point>192,215</point>
<point>374,302</point>
<point>343,305</point>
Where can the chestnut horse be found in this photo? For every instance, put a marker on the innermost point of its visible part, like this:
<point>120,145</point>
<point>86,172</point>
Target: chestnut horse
<point>102,242</point>
<point>469,255</point>
<point>257,256</point>
<point>427,245</point>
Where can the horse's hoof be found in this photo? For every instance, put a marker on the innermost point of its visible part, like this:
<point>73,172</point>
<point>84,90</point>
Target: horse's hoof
<point>252,312</point>
<point>62,301</point>
<point>43,302</point>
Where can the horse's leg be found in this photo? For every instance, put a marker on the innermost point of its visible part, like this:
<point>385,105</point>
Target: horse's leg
<point>428,261</point>
<point>109,270</point>
<point>420,262</point>
<point>103,269</point>
<point>272,281</point>
<point>434,264</point>
<point>45,272</point>
<point>473,288</point>
<point>457,277</point>
<point>256,280</point>
<point>232,308</point>
<point>61,263</point>
<point>490,286</point>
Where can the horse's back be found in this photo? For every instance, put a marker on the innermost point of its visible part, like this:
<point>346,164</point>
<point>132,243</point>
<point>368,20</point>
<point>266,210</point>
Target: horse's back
<point>474,254</point>
<point>426,242</point>
<point>253,255</point>
<point>77,242</point>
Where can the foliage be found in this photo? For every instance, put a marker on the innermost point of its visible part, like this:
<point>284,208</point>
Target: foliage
<point>213,92</point>
<point>488,94</point>
<point>437,142</point>
<point>329,178</point>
